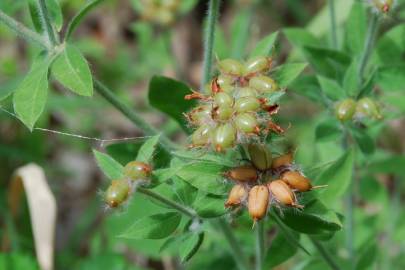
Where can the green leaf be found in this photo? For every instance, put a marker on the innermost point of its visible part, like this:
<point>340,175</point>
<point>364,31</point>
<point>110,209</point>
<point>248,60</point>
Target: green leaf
<point>145,153</point>
<point>351,80</point>
<point>204,176</point>
<point>287,73</point>
<point>8,88</point>
<point>265,46</point>
<point>156,226</point>
<point>72,71</point>
<point>338,178</point>
<point>356,28</point>
<point>111,168</point>
<point>300,37</point>
<point>393,164</point>
<point>331,88</point>
<point>308,86</point>
<point>315,218</point>
<point>186,244</point>
<point>363,140</point>
<point>367,257</point>
<point>328,130</point>
<point>54,10</point>
<point>31,95</point>
<point>391,46</point>
<point>167,95</point>
<point>227,159</point>
<point>240,32</point>
<point>280,250</point>
<point>209,206</point>
<point>391,78</point>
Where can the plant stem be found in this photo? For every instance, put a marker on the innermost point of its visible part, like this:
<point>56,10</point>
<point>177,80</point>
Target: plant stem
<point>333,31</point>
<point>22,30</point>
<point>325,254</point>
<point>46,21</point>
<point>181,208</point>
<point>165,142</point>
<point>368,45</point>
<point>237,252</point>
<point>209,37</point>
<point>259,244</point>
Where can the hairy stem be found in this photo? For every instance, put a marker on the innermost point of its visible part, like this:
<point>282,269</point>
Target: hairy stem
<point>46,21</point>
<point>237,252</point>
<point>368,45</point>
<point>181,208</point>
<point>325,254</point>
<point>166,143</point>
<point>259,244</point>
<point>22,30</point>
<point>333,31</point>
<point>209,37</point>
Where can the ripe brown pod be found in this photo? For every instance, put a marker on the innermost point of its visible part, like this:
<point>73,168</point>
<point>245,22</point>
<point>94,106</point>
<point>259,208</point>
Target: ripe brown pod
<point>282,193</point>
<point>237,194</point>
<point>258,202</point>
<point>283,160</point>
<point>244,173</point>
<point>296,181</point>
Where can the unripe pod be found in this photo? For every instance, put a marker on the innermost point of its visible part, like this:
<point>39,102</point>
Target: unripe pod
<point>223,99</point>
<point>237,194</point>
<point>257,65</point>
<point>260,156</point>
<point>258,202</point>
<point>136,170</point>
<point>283,160</point>
<point>199,115</point>
<point>117,193</point>
<point>231,67</point>
<point>246,92</point>
<point>296,181</point>
<point>242,174</point>
<point>222,113</point>
<point>247,104</point>
<point>282,193</point>
<point>263,84</point>
<point>222,83</point>
<point>345,109</point>
<point>224,136</point>
<point>247,123</point>
<point>367,107</point>
<point>201,136</point>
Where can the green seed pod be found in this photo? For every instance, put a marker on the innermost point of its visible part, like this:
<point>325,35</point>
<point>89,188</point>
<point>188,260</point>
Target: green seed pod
<point>223,99</point>
<point>367,107</point>
<point>258,202</point>
<point>263,84</point>
<point>224,136</point>
<point>231,67</point>
<point>246,92</point>
<point>257,65</point>
<point>245,173</point>
<point>345,109</point>
<point>260,155</point>
<point>199,115</point>
<point>117,193</point>
<point>201,136</point>
<point>136,170</point>
<point>222,113</point>
<point>247,104</point>
<point>247,123</point>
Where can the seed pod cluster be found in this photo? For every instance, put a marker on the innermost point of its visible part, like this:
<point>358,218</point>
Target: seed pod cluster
<point>237,107</point>
<point>349,109</point>
<point>266,180</point>
<point>159,12</point>
<point>134,173</point>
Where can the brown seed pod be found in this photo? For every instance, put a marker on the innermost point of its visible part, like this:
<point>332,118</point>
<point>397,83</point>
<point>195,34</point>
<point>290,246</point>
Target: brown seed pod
<point>296,181</point>
<point>283,160</point>
<point>237,194</point>
<point>283,194</point>
<point>244,173</point>
<point>258,202</point>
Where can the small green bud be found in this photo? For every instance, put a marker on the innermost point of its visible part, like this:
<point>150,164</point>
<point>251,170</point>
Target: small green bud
<point>199,115</point>
<point>201,136</point>
<point>247,104</point>
<point>367,107</point>
<point>224,136</point>
<point>263,84</point>
<point>117,193</point>
<point>231,67</point>
<point>247,123</point>
<point>260,155</point>
<point>136,170</point>
<point>223,99</point>
<point>257,65</point>
<point>222,113</point>
<point>246,92</point>
<point>345,109</point>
